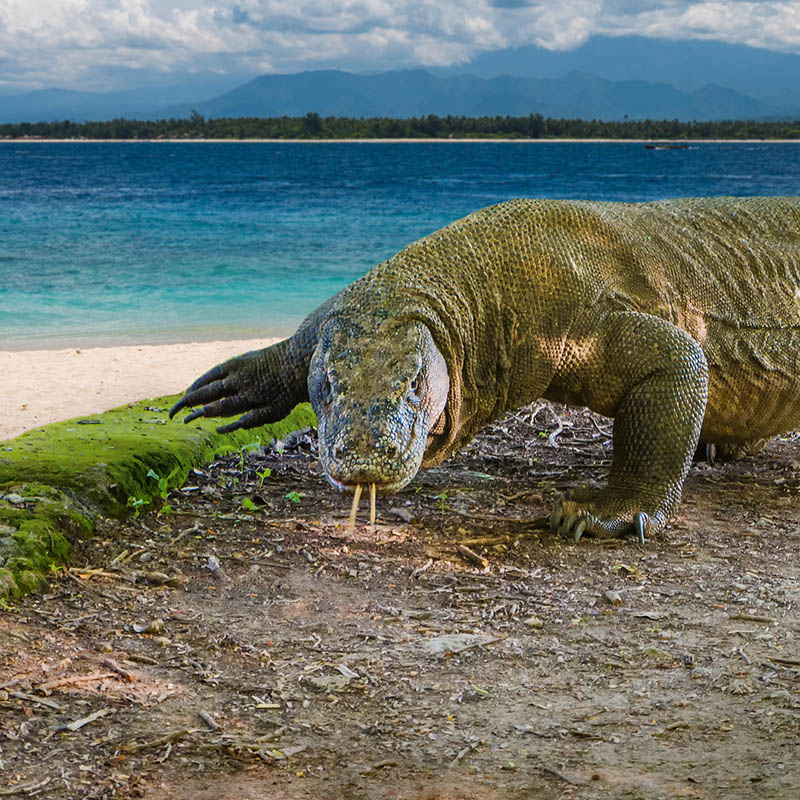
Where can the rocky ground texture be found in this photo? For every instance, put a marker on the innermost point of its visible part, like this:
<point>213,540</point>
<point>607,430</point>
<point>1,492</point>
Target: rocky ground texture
<point>237,639</point>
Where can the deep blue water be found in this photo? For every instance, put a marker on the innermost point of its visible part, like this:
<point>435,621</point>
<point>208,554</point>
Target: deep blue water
<point>165,242</point>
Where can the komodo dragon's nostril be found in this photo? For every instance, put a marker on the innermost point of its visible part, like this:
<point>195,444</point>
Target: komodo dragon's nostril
<point>389,450</point>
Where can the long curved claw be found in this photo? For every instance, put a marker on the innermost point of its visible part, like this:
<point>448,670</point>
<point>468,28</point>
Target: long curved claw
<point>706,452</point>
<point>209,386</point>
<point>568,525</point>
<point>263,385</point>
<point>203,395</point>
<point>225,406</point>
<point>579,529</point>
<point>228,406</point>
<point>556,515</point>
<point>641,524</point>
<point>218,393</point>
<point>573,526</point>
<point>252,419</point>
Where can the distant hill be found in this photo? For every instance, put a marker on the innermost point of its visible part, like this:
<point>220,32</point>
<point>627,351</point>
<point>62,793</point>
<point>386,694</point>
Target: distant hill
<point>607,78</point>
<point>686,65</point>
<point>417,92</point>
<point>47,105</point>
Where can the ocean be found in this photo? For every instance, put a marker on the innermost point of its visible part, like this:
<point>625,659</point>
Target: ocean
<point>158,242</point>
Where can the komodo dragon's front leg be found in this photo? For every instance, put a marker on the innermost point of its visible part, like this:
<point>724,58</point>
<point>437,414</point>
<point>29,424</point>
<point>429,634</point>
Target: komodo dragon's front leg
<point>652,377</point>
<point>265,384</point>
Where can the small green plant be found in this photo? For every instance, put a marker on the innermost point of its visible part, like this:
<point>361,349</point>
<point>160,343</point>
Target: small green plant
<point>265,473</point>
<point>244,448</point>
<point>293,496</point>
<point>137,503</point>
<point>163,483</point>
<point>166,510</point>
<point>441,502</point>
<point>249,505</point>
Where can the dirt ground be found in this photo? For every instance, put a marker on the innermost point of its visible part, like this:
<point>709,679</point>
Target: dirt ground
<point>247,645</point>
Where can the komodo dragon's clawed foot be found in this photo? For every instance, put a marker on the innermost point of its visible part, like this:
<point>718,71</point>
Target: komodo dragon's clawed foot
<point>582,512</point>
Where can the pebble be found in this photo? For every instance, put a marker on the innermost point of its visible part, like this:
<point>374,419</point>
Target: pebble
<point>615,598</point>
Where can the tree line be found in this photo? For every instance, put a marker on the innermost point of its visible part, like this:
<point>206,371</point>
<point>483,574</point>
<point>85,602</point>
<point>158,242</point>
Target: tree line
<point>314,126</point>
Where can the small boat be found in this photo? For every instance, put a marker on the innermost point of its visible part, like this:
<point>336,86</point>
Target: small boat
<point>666,147</point>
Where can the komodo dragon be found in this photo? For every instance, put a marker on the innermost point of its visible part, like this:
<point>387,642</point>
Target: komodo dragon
<point>679,318</point>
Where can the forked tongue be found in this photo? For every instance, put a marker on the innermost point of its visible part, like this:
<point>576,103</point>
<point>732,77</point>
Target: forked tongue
<point>354,508</point>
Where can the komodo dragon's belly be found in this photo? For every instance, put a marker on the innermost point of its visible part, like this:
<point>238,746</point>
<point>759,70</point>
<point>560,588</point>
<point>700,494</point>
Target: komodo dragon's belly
<point>754,386</point>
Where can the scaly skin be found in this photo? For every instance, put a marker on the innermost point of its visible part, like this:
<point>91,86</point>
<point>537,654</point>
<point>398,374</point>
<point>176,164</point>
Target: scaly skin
<point>678,318</point>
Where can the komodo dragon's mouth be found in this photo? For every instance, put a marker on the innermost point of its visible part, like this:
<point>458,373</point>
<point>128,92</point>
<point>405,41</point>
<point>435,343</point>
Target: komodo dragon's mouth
<point>381,488</point>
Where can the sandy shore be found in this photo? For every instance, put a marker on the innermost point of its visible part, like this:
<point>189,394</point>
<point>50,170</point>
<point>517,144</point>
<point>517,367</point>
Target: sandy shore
<point>41,386</point>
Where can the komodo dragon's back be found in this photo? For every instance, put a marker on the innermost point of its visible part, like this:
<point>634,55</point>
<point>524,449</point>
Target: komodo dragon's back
<point>679,318</point>
<point>732,260</point>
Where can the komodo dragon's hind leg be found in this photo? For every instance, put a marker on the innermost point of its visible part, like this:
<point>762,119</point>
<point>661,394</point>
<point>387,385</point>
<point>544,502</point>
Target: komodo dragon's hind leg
<point>653,378</point>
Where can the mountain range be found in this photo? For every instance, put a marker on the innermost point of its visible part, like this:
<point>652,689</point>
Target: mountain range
<point>607,78</point>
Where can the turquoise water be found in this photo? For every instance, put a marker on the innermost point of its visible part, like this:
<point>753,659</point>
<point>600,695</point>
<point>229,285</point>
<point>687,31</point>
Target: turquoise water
<point>165,242</point>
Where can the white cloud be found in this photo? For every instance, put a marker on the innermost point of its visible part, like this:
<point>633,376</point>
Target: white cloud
<point>84,43</point>
<point>774,25</point>
<point>559,26</point>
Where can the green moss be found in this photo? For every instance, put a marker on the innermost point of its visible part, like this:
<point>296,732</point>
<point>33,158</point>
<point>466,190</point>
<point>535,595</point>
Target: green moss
<point>29,580</point>
<point>55,479</point>
<point>123,444</point>
<point>37,525</point>
<point>8,583</point>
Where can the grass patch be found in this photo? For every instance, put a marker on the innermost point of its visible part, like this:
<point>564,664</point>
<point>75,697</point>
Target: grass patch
<point>54,480</point>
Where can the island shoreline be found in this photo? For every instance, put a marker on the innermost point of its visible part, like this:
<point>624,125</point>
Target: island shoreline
<point>468,140</point>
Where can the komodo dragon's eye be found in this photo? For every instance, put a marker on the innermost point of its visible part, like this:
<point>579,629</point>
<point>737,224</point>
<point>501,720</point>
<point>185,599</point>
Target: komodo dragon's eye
<point>415,389</point>
<point>326,392</point>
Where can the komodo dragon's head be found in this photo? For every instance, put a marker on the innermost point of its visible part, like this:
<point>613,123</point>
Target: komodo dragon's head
<point>377,398</point>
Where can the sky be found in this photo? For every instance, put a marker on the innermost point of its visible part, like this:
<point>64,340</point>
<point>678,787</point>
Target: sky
<point>103,45</point>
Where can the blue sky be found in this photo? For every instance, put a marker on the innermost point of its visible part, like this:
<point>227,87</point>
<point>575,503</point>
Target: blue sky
<point>112,44</point>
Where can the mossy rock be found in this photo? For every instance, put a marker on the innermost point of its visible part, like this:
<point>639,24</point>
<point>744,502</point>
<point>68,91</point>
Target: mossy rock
<point>37,526</point>
<point>55,479</point>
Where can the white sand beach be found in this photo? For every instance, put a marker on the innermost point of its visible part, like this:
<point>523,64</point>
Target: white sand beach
<point>42,386</point>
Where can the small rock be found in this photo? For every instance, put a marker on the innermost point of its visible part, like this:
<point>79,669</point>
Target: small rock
<point>534,622</point>
<point>347,672</point>
<point>154,626</point>
<point>214,567</point>
<point>455,643</point>
<point>162,579</point>
<point>404,514</point>
<point>328,683</point>
<point>612,597</point>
